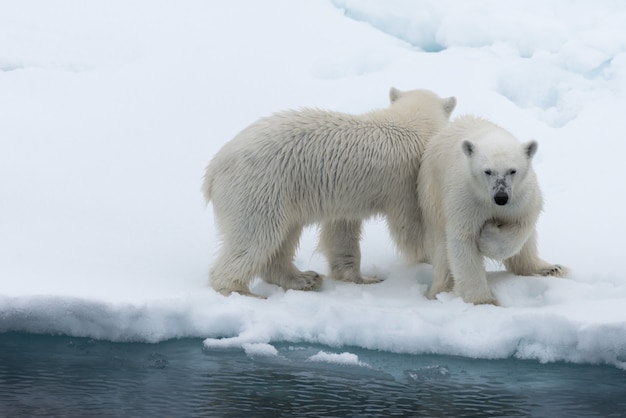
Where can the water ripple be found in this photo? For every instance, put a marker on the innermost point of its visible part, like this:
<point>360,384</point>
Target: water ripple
<point>62,376</point>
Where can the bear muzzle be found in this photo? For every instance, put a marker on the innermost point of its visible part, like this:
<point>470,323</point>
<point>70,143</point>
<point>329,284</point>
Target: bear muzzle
<point>501,198</point>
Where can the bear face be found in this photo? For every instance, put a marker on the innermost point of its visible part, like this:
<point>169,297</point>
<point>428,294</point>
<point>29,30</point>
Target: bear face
<point>497,167</point>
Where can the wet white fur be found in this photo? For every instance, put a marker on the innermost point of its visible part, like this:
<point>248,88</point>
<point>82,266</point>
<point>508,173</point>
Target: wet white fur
<point>296,168</point>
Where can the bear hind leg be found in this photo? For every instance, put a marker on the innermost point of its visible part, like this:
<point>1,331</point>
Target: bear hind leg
<point>244,255</point>
<point>442,277</point>
<point>232,272</point>
<point>339,241</point>
<point>281,271</point>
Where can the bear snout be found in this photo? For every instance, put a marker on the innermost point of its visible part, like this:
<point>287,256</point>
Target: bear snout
<point>501,198</point>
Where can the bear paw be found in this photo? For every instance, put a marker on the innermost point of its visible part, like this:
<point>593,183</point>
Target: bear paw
<point>306,280</point>
<point>555,270</point>
<point>358,279</point>
<point>495,243</point>
<point>488,301</point>
<point>368,280</point>
<point>488,240</point>
<point>476,296</point>
<point>241,290</point>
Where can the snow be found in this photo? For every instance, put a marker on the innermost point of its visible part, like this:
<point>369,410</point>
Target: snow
<point>344,358</point>
<point>259,349</point>
<point>111,110</point>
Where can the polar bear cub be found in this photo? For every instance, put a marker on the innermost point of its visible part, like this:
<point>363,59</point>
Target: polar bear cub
<point>296,168</point>
<point>480,198</point>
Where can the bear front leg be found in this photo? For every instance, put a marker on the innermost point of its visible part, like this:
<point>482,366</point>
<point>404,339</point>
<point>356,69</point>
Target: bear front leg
<point>500,241</point>
<point>340,243</point>
<point>468,270</point>
<point>528,263</point>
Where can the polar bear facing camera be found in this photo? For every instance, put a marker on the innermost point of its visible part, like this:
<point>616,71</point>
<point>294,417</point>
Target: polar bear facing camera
<point>296,168</point>
<point>480,198</point>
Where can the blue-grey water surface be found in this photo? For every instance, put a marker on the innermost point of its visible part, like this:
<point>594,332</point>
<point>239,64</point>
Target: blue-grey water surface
<point>64,376</point>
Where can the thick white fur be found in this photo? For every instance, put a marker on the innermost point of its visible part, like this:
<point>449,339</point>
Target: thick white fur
<point>296,168</point>
<point>469,166</point>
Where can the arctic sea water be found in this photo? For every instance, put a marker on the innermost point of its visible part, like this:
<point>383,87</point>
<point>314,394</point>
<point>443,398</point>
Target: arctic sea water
<point>43,375</point>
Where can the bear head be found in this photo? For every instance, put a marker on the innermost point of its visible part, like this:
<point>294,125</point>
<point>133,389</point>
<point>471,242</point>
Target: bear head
<point>416,101</point>
<point>499,164</point>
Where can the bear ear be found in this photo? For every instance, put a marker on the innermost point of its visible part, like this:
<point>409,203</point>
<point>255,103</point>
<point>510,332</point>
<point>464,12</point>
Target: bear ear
<point>530,148</point>
<point>468,148</point>
<point>394,94</point>
<point>449,104</point>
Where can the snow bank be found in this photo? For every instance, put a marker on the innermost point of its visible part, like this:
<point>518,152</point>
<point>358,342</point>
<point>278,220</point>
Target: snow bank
<point>110,112</point>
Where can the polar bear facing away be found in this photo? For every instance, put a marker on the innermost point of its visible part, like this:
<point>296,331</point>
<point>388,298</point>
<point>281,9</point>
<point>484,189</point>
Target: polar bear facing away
<point>480,198</point>
<point>296,168</point>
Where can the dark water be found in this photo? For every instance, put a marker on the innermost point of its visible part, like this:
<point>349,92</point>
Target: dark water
<point>63,376</point>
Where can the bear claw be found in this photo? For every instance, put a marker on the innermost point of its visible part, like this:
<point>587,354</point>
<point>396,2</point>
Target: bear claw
<point>556,270</point>
<point>244,292</point>
<point>368,280</point>
<point>307,280</point>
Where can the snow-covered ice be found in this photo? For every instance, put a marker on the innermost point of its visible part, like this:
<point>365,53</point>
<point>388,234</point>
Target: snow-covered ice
<point>109,112</point>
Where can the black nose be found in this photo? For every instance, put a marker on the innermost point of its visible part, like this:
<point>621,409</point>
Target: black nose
<point>501,198</point>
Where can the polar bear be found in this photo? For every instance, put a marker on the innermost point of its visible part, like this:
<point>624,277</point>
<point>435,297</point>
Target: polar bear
<point>480,198</point>
<point>300,167</point>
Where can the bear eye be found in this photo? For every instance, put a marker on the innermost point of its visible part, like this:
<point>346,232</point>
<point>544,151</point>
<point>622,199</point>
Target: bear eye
<point>512,171</point>
<point>488,172</point>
